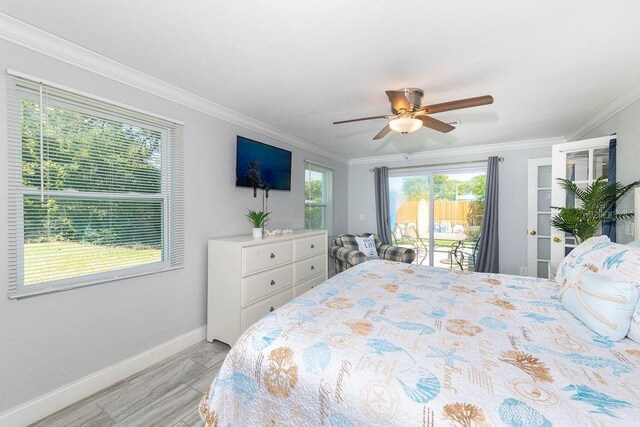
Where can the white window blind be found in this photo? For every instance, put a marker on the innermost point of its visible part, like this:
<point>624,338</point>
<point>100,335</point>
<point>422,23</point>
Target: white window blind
<point>318,189</point>
<point>95,190</point>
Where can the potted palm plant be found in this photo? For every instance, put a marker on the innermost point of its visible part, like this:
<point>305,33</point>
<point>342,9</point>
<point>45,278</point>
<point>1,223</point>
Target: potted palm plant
<point>257,219</point>
<point>598,205</point>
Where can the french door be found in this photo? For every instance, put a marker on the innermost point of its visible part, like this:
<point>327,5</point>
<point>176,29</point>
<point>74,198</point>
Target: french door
<point>539,217</point>
<point>438,214</point>
<point>581,162</point>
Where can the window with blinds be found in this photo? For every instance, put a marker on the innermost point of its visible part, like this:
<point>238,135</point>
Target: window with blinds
<point>95,189</point>
<point>318,186</point>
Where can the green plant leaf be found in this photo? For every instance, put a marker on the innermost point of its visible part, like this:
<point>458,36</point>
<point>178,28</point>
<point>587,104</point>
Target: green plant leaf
<point>598,200</point>
<point>257,218</point>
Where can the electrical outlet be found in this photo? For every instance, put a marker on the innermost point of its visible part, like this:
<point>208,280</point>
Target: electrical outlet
<point>523,270</point>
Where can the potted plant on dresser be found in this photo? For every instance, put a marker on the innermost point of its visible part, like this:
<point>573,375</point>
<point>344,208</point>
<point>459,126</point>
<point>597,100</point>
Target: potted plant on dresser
<point>258,219</point>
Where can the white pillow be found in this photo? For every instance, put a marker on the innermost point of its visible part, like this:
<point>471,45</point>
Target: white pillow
<point>605,306</point>
<point>367,246</point>
<point>611,261</point>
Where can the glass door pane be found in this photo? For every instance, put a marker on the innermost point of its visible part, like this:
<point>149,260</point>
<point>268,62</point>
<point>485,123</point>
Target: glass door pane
<point>409,212</point>
<point>438,215</point>
<point>539,216</point>
<point>579,170</point>
<point>601,162</point>
<point>578,166</point>
<point>458,208</point>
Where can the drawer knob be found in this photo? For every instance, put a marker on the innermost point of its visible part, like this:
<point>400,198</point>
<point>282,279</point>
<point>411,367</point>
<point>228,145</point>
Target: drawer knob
<point>313,246</point>
<point>273,256</point>
<point>271,309</point>
<point>312,267</point>
<point>273,282</point>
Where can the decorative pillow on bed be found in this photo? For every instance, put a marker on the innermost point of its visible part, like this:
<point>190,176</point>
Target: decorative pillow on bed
<point>610,260</point>
<point>605,306</point>
<point>571,264</point>
<point>367,245</point>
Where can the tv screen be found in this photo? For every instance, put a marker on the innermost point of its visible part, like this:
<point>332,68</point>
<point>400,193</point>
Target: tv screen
<point>262,166</point>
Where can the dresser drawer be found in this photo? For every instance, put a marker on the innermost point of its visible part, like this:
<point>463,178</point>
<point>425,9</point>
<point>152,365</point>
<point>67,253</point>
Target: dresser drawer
<point>310,246</point>
<point>303,287</point>
<point>309,267</point>
<point>258,310</point>
<point>261,257</point>
<point>269,282</point>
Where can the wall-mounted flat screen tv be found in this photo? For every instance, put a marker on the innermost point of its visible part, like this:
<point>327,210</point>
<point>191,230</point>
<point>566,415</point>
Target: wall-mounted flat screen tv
<point>260,165</point>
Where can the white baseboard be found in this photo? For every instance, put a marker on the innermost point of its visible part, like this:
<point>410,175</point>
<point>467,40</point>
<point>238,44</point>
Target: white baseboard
<point>64,396</point>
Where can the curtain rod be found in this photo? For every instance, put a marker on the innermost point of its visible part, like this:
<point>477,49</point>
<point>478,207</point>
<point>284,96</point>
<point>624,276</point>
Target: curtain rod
<point>468,162</point>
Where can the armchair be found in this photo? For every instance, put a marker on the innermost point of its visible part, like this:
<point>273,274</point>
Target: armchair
<point>346,254</point>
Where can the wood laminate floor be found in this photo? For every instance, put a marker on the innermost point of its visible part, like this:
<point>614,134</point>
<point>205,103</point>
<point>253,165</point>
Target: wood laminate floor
<point>166,394</point>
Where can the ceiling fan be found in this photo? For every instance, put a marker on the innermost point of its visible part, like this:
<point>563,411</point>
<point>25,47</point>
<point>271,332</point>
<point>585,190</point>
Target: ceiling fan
<point>408,116</point>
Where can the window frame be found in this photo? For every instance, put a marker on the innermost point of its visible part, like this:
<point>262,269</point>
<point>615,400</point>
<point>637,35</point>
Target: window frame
<point>170,175</point>
<point>327,192</point>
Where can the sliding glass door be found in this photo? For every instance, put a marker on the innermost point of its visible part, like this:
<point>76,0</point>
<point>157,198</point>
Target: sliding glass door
<point>438,214</point>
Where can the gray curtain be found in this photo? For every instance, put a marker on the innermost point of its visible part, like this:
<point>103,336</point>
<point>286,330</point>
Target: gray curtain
<point>488,248</point>
<point>381,178</point>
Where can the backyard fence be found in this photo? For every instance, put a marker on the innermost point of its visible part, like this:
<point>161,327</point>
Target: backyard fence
<point>460,212</point>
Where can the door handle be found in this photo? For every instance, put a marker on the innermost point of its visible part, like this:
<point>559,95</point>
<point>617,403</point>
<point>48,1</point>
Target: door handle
<point>313,246</point>
<point>271,309</point>
<point>557,239</point>
<point>533,232</point>
<point>273,282</point>
<point>312,267</point>
<point>272,256</point>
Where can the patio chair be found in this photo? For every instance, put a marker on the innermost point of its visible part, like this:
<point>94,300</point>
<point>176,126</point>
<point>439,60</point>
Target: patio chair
<point>465,251</point>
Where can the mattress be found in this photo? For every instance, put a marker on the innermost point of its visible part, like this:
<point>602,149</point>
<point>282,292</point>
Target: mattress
<point>385,343</point>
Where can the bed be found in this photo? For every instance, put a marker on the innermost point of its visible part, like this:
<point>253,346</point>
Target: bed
<point>390,344</point>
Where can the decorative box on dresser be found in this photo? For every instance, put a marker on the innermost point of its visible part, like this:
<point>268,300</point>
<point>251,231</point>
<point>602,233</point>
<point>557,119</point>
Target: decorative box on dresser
<point>249,277</point>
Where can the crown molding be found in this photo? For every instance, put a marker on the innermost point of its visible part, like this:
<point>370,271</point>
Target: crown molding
<point>623,99</point>
<point>33,38</point>
<point>449,152</point>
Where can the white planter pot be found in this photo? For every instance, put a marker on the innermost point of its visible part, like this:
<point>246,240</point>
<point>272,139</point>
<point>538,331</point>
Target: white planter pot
<point>257,233</point>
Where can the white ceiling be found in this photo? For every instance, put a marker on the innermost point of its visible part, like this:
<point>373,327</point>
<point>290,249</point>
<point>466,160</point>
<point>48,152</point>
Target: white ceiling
<point>300,65</point>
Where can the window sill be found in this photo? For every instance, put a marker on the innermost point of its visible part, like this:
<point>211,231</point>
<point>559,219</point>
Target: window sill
<point>27,293</point>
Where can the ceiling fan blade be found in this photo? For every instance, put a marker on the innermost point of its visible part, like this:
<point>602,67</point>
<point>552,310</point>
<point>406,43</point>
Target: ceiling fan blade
<point>385,130</point>
<point>359,120</point>
<point>458,105</point>
<point>432,123</point>
<point>398,100</point>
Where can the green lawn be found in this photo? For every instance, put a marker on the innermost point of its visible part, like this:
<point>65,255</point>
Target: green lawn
<point>72,259</point>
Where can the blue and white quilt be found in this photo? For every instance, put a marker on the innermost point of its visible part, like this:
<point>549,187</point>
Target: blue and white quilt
<point>395,344</point>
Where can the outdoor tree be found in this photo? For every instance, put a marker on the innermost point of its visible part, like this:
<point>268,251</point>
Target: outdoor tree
<point>84,153</point>
<point>313,214</point>
<point>416,188</point>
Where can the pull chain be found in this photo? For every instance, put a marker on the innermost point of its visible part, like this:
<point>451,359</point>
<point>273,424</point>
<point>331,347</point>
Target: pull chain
<point>404,144</point>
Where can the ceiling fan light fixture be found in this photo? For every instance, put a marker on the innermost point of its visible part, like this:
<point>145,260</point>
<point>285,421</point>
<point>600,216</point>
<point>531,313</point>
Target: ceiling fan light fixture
<point>405,125</point>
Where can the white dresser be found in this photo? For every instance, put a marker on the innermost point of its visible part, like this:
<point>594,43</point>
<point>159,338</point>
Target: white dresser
<point>249,277</point>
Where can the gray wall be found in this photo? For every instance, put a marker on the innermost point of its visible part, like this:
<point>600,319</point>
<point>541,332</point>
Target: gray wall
<point>627,126</point>
<point>512,209</point>
<point>50,340</point>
